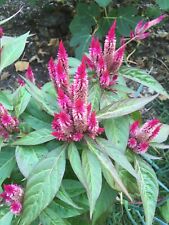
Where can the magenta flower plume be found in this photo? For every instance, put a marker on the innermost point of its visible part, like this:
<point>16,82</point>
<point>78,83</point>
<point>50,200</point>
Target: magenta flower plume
<point>140,137</point>
<point>8,123</point>
<point>106,63</point>
<point>76,117</point>
<point>30,75</point>
<point>141,28</point>
<point>1,32</point>
<point>12,196</point>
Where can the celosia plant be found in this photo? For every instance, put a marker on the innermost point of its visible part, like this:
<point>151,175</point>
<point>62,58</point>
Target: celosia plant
<point>140,138</point>
<point>106,63</point>
<point>12,196</point>
<point>76,117</point>
<point>8,124</point>
<point>77,147</point>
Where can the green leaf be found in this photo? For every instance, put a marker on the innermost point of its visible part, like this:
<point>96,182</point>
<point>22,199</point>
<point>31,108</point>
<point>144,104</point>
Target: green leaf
<point>108,169</point>
<point>34,122</point>
<point>163,4</point>
<point>1,142</point>
<point>108,148</point>
<point>28,156</point>
<point>73,62</point>
<point>21,99</point>
<point>164,209</point>
<point>127,19</point>
<point>124,107</point>
<point>43,184</point>
<point>80,29</point>
<point>5,101</point>
<point>73,187</point>
<point>35,137</point>
<point>108,98</point>
<point>117,131</point>
<point>41,97</point>
<point>7,163</point>
<point>103,205</point>
<point>64,196</point>
<point>81,43</point>
<point>6,219</point>
<point>94,96</point>
<point>12,50</point>
<point>103,3</point>
<point>63,210</point>
<point>144,78</point>
<point>148,187</point>
<point>93,176</point>
<point>36,110</point>
<point>50,217</point>
<point>75,162</point>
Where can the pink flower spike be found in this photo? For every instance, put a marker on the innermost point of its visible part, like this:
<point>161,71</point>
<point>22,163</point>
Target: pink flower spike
<point>155,21</point>
<point>5,197</point>
<point>63,100</point>
<point>155,132</point>
<point>64,119</point>
<point>88,62</point>
<point>62,54</point>
<point>16,207</point>
<point>134,128</point>
<point>111,33</point>
<point>110,41</point>
<point>132,143</point>
<point>93,123</point>
<point>141,28</point>
<point>20,82</point>
<point>30,75</point>
<point>6,120</point>
<point>105,79</point>
<point>10,189</point>
<point>142,148</point>
<point>1,32</point>
<point>51,69</point>
<point>79,107</point>
<point>117,59</point>
<point>77,136</point>
<point>59,135</point>
<point>95,49</point>
<point>149,125</point>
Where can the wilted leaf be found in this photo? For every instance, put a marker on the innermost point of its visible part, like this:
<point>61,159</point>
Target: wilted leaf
<point>21,65</point>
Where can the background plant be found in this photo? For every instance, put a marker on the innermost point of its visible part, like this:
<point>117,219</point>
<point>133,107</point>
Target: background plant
<point>35,108</point>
